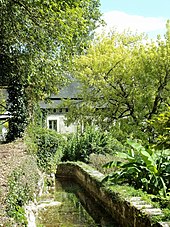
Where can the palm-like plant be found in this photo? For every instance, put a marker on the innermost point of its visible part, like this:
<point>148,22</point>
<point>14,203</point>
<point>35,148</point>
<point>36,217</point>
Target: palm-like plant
<point>142,168</point>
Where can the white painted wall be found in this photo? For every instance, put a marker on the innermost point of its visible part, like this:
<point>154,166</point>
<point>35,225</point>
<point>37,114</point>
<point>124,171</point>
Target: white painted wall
<point>61,126</point>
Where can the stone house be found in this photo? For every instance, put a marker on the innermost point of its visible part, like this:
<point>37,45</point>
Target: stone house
<point>55,113</point>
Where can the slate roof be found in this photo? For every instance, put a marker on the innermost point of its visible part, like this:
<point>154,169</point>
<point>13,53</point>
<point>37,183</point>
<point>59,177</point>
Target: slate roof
<point>69,92</point>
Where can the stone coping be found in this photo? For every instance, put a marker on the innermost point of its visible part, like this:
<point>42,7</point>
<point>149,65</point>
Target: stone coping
<point>127,212</point>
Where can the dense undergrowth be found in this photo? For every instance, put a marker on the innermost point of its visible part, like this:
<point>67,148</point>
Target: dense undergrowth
<point>143,168</point>
<point>129,163</point>
<point>22,185</point>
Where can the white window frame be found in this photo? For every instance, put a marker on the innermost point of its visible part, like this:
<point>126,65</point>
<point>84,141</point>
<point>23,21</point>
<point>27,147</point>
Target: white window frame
<point>53,118</point>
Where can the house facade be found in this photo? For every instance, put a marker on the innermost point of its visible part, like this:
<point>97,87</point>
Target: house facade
<point>55,113</point>
<point>55,120</point>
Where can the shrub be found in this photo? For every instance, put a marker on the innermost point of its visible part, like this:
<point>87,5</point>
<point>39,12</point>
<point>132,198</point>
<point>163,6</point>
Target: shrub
<point>98,160</point>
<point>47,145</point>
<point>80,146</point>
<point>22,184</point>
<point>161,126</point>
<point>142,168</point>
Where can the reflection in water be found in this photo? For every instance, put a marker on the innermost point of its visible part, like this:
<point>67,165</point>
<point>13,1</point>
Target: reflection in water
<point>77,208</point>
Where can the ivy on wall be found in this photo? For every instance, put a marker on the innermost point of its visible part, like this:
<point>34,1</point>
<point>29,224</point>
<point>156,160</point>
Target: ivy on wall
<point>17,106</point>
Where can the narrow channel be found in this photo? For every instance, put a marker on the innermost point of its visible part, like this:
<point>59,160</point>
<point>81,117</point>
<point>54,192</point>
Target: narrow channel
<point>77,208</point>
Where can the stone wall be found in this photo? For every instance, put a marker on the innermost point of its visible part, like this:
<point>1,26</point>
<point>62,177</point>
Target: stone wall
<point>133,212</point>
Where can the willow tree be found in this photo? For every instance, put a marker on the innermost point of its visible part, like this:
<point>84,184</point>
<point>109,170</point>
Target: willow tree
<point>37,42</point>
<point>124,81</point>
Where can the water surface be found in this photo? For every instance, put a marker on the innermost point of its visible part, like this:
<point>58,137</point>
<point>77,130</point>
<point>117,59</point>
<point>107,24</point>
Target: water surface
<point>77,208</point>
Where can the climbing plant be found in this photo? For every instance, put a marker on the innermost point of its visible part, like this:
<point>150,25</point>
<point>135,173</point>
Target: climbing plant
<point>37,42</point>
<point>18,107</point>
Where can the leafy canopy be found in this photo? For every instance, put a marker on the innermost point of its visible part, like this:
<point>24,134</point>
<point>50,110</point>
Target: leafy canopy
<point>38,37</point>
<point>124,78</point>
<point>37,42</point>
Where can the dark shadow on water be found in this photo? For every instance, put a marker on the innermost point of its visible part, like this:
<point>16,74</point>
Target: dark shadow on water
<point>93,209</point>
<point>77,208</point>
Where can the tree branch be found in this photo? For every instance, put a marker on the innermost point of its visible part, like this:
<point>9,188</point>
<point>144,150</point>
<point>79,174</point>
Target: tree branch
<point>3,106</point>
<point>158,98</point>
<point>106,76</point>
<point>27,10</point>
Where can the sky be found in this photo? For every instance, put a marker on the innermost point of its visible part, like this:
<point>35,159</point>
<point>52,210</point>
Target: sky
<point>148,16</point>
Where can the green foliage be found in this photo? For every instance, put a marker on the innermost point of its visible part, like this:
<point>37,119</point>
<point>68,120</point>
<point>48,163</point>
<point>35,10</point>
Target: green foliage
<point>17,106</point>
<point>2,106</point>
<point>37,44</point>
<point>125,79</point>
<point>161,126</point>
<point>47,145</point>
<point>40,37</point>
<point>2,102</point>
<point>143,168</point>
<point>98,160</point>
<point>22,185</point>
<point>80,146</point>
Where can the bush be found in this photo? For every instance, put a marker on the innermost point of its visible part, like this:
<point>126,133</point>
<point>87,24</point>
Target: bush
<point>47,145</point>
<point>143,168</point>
<point>98,160</point>
<point>80,146</point>
<point>161,126</point>
<point>22,184</point>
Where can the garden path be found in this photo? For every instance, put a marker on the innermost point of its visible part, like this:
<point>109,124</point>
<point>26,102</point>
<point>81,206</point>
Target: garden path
<point>11,155</point>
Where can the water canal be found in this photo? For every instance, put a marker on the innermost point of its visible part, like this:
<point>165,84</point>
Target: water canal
<point>76,208</point>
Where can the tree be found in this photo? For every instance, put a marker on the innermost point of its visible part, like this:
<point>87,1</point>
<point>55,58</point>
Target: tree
<point>125,81</point>
<point>37,42</point>
<point>161,127</point>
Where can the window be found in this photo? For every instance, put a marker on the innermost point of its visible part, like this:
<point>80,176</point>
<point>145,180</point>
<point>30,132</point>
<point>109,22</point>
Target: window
<point>52,124</point>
